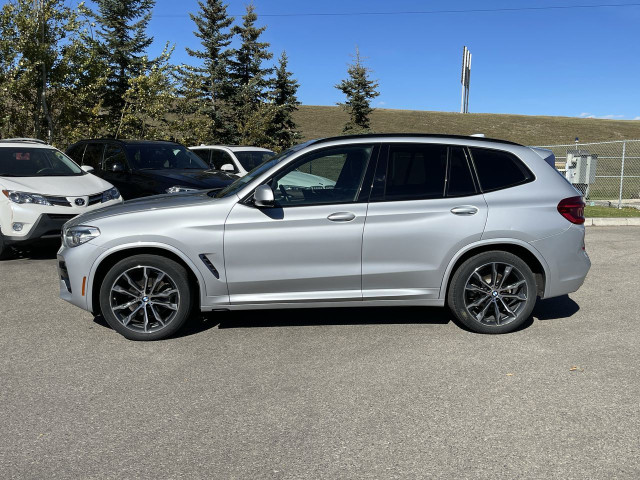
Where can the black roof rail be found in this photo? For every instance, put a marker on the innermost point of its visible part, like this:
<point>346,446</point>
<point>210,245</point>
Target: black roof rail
<point>23,140</point>
<point>413,135</point>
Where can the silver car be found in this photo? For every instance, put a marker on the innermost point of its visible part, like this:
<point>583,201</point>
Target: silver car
<point>483,226</point>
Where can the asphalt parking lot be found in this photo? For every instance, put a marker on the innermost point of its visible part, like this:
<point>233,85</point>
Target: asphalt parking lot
<point>348,393</point>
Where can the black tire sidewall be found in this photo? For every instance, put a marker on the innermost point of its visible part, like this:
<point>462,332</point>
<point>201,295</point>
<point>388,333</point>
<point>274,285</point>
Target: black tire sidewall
<point>177,273</point>
<point>455,298</point>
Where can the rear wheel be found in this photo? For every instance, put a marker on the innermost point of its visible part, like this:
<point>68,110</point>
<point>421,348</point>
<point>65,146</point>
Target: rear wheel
<point>492,292</point>
<point>146,297</point>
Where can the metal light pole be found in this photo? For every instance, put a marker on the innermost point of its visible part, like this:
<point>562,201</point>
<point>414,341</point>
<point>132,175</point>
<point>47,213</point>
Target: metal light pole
<point>465,80</point>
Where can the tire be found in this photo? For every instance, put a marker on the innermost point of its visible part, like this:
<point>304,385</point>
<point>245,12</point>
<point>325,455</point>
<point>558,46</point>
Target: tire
<point>150,309</point>
<point>475,292</point>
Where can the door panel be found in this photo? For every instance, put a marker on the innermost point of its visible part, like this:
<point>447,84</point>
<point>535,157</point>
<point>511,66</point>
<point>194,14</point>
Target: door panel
<point>407,245</point>
<point>294,254</point>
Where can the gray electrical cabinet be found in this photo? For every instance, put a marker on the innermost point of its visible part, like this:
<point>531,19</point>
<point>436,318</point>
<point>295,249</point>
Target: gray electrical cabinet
<point>581,169</point>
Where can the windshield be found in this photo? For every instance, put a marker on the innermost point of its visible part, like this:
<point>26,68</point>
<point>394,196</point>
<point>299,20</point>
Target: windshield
<point>36,162</point>
<point>251,159</point>
<point>164,156</point>
<point>256,172</point>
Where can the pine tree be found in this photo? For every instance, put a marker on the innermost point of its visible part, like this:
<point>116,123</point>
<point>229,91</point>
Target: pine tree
<point>249,79</point>
<point>359,90</point>
<point>123,42</point>
<point>206,88</point>
<point>283,130</point>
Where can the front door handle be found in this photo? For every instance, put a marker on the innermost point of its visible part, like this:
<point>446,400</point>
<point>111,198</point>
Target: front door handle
<point>341,217</point>
<point>464,210</point>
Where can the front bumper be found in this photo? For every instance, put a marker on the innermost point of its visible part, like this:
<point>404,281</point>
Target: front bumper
<point>74,269</point>
<point>47,226</point>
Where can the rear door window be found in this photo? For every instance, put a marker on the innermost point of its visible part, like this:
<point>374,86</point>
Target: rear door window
<point>459,178</point>
<point>498,169</point>
<point>93,155</point>
<point>415,171</point>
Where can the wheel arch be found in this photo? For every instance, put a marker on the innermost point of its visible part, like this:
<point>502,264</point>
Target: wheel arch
<point>523,250</point>
<point>111,257</point>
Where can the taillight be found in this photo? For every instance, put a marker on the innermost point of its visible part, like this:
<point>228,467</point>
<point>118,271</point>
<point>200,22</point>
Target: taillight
<point>572,209</point>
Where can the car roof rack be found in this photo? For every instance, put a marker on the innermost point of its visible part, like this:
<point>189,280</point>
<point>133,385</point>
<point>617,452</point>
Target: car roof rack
<point>414,135</point>
<point>23,140</point>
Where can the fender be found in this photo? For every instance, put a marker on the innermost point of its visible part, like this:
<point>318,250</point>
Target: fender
<point>493,241</point>
<point>127,246</point>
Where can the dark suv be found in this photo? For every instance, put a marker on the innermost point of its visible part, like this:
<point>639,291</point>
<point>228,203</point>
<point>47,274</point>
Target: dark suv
<point>139,168</point>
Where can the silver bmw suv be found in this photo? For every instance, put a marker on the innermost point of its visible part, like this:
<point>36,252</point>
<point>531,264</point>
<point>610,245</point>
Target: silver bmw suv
<point>483,226</point>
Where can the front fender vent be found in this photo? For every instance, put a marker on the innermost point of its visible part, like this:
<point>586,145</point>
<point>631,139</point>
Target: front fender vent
<point>209,265</point>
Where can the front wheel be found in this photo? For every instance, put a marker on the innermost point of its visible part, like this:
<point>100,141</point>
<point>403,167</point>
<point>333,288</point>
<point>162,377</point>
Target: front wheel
<point>146,297</point>
<point>493,292</point>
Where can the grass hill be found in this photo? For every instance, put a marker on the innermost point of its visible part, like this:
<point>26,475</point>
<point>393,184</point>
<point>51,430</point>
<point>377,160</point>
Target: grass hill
<point>322,121</point>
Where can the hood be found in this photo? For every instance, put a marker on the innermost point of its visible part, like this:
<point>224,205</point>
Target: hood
<point>72,186</point>
<point>145,204</point>
<point>192,177</point>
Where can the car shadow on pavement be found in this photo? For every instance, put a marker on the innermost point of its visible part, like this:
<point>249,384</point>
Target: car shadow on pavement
<point>555,308</point>
<point>43,250</point>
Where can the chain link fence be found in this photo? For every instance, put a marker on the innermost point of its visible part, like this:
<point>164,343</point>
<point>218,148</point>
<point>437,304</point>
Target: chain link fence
<point>617,169</point>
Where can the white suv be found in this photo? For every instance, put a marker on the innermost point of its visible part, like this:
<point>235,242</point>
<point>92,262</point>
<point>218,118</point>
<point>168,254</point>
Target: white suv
<point>233,159</point>
<point>42,188</point>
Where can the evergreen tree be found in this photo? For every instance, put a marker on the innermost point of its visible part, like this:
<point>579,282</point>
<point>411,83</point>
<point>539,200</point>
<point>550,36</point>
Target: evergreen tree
<point>359,90</point>
<point>206,88</point>
<point>249,79</point>
<point>123,43</point>
<point>283,130</point>
<point>48,71</point>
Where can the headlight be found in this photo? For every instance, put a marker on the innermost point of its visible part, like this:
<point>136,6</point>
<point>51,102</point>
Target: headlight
<point>179,189</point>
<point>110,194</point>
<point>21,197</point>
<point>74,236</point>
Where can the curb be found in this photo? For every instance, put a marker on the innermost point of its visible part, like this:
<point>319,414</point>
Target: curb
<point>612,222</point>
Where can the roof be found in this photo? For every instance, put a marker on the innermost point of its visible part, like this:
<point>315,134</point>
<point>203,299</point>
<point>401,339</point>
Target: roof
<point>22,142</point>
<point>234,148</point>
<point>412,135</point>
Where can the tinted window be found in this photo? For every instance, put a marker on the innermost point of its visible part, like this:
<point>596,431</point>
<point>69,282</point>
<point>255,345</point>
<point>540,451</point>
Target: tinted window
<point>459,179</point>
<point>497,169</point>
<point>416,171</point>
<point>329,176</point>
<point>251,159</point>
<point>203,154</point>
<point>220,158</point>
<point>114,154</point>
<point>93,155</point>
<point>150,156</point>
<point>75,152</point>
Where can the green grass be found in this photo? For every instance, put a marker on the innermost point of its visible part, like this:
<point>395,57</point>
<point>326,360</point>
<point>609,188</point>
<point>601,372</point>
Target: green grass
<point>603,212</point>
<point>323,121</point>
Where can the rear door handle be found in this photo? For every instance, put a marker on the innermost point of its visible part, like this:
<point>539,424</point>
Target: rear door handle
<point>464,210</point>
<point>341,217</point>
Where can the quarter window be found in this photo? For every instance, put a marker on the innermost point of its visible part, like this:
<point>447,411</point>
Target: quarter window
<point>329,176</point>
<point>415,172</point>
<point>497,169</point>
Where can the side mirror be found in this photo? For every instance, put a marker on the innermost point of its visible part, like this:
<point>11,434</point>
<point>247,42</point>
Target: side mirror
<point>87,168</point>
<point>117,167</point>
<point>263,196</point>
<point>227,167</point>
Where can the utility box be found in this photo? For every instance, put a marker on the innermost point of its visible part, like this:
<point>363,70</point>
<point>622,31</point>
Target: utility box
<point>581,169</point>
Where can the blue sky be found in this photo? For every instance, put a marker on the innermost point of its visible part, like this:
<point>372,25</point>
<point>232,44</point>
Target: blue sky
<point>573,62</point>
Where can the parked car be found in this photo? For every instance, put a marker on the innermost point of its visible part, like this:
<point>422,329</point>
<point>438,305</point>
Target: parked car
<point>140,168</point>
<point>234,159</point>
<point>41,189</point>
<point>483,226</point>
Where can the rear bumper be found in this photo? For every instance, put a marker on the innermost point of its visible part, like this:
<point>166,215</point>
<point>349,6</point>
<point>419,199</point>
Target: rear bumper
<point>47,226</point>
<point>567,260</point>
